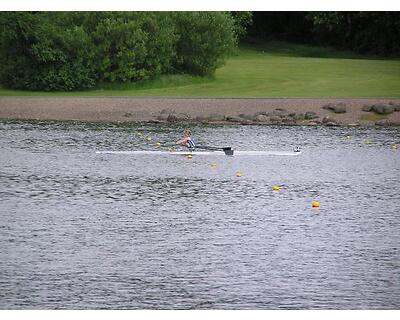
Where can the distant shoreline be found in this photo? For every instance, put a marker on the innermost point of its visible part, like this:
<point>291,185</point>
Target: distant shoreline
<point>286,111</point>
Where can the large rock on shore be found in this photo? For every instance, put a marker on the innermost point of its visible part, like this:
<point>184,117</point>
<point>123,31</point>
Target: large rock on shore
<point>235,119</point>
<point>299,117</point>
<point>335,107</point>
<point>172,116</point>
<point>310,115</point>
<point>178,117</point>
<point>383,108</point>
<point>261,118</point>
<point>396,106</point>
<point>275,119</point>
<point>330,122</point>
<point>280,112</point>
<point>366,108</point>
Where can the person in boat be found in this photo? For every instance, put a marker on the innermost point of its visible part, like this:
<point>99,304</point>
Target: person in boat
<point>186,140</point>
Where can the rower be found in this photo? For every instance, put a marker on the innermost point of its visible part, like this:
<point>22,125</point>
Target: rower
<point>186,140</point>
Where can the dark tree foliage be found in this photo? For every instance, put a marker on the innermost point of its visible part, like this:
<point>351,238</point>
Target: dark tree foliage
<point>363,32</point>
<point>66,51</point>
<point>289,26</point>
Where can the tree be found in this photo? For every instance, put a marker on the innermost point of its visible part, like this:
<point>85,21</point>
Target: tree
<point>67,51</point>
<point>205,39</point>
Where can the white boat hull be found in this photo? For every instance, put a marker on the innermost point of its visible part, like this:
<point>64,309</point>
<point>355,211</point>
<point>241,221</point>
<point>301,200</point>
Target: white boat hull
<point>204,153</point>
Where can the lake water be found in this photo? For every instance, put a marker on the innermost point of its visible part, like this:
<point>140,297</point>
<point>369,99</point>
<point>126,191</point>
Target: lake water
<point>80,230</point>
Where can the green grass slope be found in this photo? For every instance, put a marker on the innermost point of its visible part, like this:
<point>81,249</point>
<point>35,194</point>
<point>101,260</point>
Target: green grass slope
<point>275,69</point>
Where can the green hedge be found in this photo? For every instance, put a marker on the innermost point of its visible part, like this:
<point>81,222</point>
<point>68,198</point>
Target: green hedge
<point>65,51</point>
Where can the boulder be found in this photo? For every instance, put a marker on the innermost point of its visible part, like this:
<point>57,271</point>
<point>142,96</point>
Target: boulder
<point>299,117</point>
<point>383,108</point>
<point>279,112</point>
<point>288,121</point>
<point>246,122</point>
<point>235,119</point>
<point>309,115</point>
<point>328,106</point>
<point>335,107</point>
<point>328,119</point>
<point>396,106</point>
<point>339,109</point>
<point>262,118</point>
<point>366,108</point>
<point>331,124</point>
<point>383,122</point>
<point>275,119</point>
<point>265,113</point>
<point>177,117</point>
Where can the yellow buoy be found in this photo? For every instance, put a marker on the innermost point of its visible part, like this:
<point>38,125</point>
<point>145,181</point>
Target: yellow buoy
<point>315,204</point>
<point>213,165</point>
<point>139,134</point>
<point>158,144</point>
<point>148,139</point>
<point>275,188</point>
<point>189,156</point>
<point>348,137</point>
<point>238,174</point>
<point>394,147</point>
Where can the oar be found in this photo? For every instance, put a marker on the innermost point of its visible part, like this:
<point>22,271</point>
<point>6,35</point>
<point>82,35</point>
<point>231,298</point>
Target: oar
<point>227,150</point>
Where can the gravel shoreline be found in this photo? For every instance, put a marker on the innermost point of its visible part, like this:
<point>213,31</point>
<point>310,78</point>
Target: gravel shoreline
<point>286,111</point>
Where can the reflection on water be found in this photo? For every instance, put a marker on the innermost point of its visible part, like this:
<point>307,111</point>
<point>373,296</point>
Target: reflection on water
<point>86,230</point>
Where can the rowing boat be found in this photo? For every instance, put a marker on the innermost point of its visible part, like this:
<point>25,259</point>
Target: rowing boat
<point>204,153</point>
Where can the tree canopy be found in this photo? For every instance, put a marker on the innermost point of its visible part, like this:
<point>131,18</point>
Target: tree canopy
<point>77,50</point>
<point>363,32</point>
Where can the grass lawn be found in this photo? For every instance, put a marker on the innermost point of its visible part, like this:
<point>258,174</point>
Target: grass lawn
<point>274,69</point>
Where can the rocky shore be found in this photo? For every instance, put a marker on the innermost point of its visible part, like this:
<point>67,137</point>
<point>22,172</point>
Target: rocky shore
<point>246,111</point>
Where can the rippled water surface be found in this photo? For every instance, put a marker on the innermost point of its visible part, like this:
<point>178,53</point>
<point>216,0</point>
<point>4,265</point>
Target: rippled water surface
<point>86,230</point>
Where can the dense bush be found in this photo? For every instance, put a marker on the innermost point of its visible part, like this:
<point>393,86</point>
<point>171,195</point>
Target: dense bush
<point>37,54</point>
<point>205,39</point>
<point>134,46</point>
<point>77,50</point>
